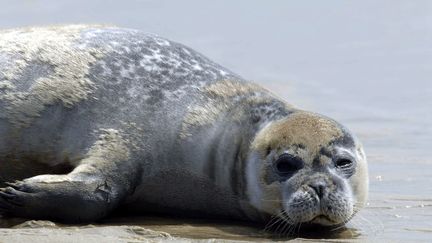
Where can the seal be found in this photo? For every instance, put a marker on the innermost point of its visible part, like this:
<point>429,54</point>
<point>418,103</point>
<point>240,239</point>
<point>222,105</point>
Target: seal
<point>99,118</point>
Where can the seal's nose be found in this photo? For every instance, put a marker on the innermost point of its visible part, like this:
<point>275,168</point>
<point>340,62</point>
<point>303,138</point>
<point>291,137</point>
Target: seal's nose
<point>318,187</point>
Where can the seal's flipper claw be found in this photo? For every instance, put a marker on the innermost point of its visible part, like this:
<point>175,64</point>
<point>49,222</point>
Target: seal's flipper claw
<point>16,185</point>
<point>7,196</point>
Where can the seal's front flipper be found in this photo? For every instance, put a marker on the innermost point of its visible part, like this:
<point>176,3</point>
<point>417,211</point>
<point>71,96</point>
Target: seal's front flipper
<point>106,176</point>
<point>76,197</point>
<point>59,198</point>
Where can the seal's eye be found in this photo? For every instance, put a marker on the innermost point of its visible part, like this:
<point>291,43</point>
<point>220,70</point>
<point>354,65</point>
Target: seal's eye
<point>288,164</point>
<point>345,166</point>
<point>343,163</point>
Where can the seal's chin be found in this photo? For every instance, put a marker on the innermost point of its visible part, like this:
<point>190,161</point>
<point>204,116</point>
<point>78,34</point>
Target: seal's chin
<point>316,222</point>
<point>319,219</point>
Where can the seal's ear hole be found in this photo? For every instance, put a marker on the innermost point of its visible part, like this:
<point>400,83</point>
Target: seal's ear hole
<point>288,164</point>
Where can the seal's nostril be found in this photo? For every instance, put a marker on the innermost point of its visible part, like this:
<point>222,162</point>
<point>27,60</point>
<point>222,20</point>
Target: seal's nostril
<point>318,188</point>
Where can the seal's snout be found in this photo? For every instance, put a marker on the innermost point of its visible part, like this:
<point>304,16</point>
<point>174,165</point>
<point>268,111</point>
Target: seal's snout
<point>319,187</point>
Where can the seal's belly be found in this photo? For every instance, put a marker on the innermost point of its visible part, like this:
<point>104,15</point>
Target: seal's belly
<point>182,193</point>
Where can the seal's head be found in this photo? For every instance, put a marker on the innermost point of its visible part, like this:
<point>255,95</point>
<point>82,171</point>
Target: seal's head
<point>307,169</point>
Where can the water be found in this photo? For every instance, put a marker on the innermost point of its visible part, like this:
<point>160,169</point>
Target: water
<point>368,64</point>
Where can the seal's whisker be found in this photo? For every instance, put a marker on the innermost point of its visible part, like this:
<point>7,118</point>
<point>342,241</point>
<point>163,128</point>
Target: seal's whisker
<point>275,219</point>
<point>291,229</point>
<point>298,231</point>
<point>282,223</point>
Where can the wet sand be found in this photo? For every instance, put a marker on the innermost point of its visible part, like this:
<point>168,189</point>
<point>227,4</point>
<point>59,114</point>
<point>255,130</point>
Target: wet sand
<point>158,229</point>
<point>367,64</point>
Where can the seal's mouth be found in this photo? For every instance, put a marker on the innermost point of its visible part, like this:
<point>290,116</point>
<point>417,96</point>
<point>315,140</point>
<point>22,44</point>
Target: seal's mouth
<point>322,217</point>
<point>323,220</point>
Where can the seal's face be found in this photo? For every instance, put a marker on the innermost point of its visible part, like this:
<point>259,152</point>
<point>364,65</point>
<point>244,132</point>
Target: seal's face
<point>305,169</point>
